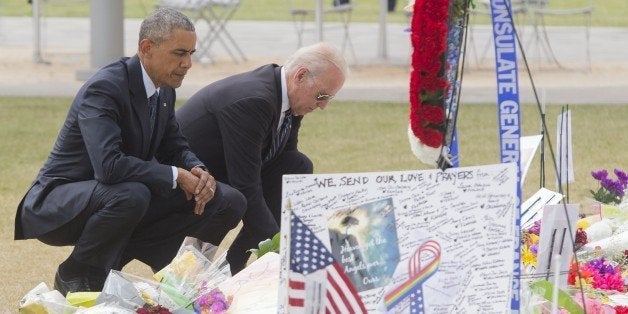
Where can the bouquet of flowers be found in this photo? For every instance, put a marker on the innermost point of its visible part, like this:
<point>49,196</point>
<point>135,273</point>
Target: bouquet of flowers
<point>195,278</point>
<point>530,245</point>
<point>213,302</point>
<point>187,285</point>
<point>597,273</point>
<point>610,191</point>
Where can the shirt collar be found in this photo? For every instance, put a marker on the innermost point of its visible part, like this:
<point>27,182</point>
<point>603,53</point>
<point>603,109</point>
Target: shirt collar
<point>148,82</point>
<point>285,104</point>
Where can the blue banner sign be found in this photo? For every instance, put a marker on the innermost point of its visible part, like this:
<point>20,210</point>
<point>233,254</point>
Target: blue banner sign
<point>509,116</point>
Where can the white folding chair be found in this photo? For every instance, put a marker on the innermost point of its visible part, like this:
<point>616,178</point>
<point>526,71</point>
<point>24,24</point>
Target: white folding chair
<point>221,12</point>
<point>540,9</point>
<point>215,14</point>
<point>519,10</point>
<point>340,8</point>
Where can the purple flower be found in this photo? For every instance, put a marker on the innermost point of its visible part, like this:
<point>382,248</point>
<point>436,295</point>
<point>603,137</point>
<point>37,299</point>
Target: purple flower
<point>622,176</point>
<point>600,174</point>
<point>534,248</point>
<point>218,307</point>
<point>608,184</point>
<point>205,300</point>
<point>214,301</point>
<point>601,266</point>
<point>536,229</point>
<point>610,191</point>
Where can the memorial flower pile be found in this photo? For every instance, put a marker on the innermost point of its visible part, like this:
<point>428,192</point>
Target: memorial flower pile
<point>598,273</point>
<point>189,284</point>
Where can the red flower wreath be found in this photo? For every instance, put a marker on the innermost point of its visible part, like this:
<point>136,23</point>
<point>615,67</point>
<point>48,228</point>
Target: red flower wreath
<point>428,81</point>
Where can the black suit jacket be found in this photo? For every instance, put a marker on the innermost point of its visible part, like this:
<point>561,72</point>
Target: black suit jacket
<point>105,138</point>
<point>230,125</point>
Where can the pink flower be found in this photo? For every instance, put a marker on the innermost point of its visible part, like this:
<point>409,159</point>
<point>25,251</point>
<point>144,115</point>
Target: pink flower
<point>213,302</point>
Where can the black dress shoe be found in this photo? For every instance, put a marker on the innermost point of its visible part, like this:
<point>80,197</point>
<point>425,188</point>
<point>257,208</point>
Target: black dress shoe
<point>78,284</point>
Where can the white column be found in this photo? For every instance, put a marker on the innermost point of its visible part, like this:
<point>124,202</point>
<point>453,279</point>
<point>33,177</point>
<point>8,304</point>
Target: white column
<point>37,33</point>
<point>106,35</point>
<point>382,47</point>
<point>319,20</point>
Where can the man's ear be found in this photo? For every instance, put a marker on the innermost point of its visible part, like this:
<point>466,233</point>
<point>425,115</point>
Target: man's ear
<point>145,46</point>
<point>301,74</point>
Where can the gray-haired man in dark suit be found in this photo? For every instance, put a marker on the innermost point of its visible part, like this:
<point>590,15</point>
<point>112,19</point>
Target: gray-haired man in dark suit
<point>245,129</point>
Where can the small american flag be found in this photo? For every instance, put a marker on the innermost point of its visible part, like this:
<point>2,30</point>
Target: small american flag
<point>308,256</point>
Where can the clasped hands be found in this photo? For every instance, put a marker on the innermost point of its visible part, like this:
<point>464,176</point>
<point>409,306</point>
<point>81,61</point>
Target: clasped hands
<point>199,184</point>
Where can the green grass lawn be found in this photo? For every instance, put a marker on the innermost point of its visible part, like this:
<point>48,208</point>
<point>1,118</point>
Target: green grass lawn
<point>607,12</point>
<point>346,137</point>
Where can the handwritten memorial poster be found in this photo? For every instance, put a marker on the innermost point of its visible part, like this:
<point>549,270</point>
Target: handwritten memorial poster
<point>428,241</point>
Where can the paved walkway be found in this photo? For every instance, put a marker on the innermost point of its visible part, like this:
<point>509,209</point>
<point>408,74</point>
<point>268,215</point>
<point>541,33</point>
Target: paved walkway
<point>65,48</point>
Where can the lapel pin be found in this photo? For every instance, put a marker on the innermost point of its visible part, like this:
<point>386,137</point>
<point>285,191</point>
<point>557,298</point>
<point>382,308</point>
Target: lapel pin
<point>164,104</point>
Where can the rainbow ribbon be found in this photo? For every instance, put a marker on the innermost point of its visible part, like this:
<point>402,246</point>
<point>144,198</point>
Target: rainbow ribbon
<point>413,286</point>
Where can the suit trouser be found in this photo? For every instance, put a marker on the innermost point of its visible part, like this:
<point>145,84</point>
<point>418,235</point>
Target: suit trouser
<point>288,162</point>
<point>124,221</point>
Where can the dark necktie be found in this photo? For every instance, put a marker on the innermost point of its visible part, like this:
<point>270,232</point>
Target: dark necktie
<point>152,110</point>
<point>282,136</point>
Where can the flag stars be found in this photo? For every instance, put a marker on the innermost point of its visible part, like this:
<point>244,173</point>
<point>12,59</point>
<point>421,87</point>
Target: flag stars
<point>416,303</point>
<point>307,251</point>
<point>312,256</point>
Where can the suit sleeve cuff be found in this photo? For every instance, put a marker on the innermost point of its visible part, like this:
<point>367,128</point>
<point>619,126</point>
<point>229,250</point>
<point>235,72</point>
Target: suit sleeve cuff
<point>175,175</point>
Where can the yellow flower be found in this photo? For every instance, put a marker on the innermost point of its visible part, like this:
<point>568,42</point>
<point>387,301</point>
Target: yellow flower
<point>180,266</point>
<point>582,223</point>
<point>527,257</point>
<point>534,239</point>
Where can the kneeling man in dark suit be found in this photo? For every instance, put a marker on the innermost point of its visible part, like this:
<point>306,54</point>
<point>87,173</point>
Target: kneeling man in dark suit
<point>245,129</point>
<point>121,182</point>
